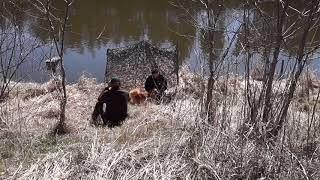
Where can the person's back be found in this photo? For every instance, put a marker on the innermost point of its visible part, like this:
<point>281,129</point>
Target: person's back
<point>116,102</point>
<point>116,106</point>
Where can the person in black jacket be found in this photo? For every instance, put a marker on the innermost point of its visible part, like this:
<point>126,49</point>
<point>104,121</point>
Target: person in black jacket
<point>156,84</point>
<point>116,102</point>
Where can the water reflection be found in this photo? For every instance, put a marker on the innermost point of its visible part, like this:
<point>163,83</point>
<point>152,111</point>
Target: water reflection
<point>96,25</point>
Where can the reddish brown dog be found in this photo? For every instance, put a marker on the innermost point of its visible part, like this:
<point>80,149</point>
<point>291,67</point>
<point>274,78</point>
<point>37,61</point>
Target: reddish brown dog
<point>138,96</point>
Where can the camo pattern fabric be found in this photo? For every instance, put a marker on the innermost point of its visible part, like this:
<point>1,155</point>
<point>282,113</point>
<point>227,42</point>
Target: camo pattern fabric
<point>133,64</point>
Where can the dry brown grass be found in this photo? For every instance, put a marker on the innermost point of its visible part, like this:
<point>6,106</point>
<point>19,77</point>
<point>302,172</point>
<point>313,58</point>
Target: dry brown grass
<point>166,141</point>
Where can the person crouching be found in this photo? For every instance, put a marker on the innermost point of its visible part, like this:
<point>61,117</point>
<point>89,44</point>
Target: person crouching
<point>156,84</point>
<point>116,105</point>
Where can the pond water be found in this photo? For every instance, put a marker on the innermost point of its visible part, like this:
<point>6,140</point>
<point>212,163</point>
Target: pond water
<point>97,25</point>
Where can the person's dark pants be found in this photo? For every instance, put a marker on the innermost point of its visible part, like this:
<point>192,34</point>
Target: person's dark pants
<point>108,120</point>
<point>113,120</point>
<point>98,110</point>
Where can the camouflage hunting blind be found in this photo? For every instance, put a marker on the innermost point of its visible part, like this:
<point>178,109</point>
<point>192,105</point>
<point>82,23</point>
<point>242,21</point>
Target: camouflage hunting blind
<point>133,64</point>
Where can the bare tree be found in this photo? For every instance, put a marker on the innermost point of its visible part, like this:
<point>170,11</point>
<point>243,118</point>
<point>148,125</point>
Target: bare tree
<point>263,105</point>
<point>57,28</point>
<point>212,19</point>
<point>267,34</point>
<point>214,48</point>
<point>15,48</point>
<point>302,58</point>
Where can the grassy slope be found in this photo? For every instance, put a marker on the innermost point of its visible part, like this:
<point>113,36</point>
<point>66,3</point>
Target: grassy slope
<point>157,141</point>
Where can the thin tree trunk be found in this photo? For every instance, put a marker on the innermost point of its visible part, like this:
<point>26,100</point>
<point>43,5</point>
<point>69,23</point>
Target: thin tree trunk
<point>270,77</point>
<point>60,128</point>
<point>211,82</point>
<point>63,101</point>
<point>212,20</point>
<point>301,59</point>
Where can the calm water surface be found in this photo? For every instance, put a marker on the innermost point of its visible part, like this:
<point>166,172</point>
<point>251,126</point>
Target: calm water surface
<point>96,25</point>
<point>100,24</point>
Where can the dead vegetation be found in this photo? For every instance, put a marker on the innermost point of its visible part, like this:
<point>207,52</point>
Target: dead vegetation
<point>172,141</point>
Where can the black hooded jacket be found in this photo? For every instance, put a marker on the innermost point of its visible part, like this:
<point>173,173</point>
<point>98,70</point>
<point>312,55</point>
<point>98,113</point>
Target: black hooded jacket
<point>160,84</point>
<point>116,106</point>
